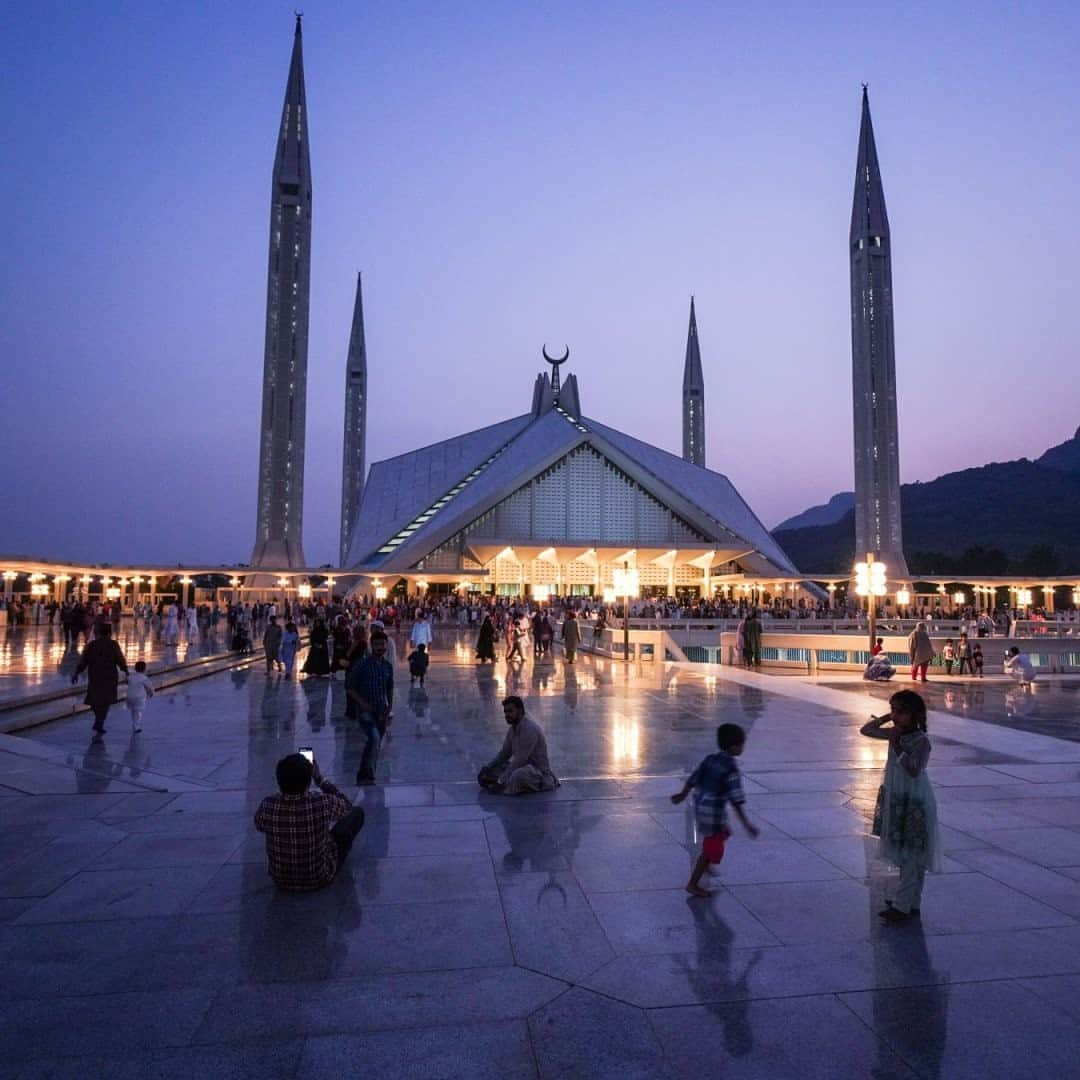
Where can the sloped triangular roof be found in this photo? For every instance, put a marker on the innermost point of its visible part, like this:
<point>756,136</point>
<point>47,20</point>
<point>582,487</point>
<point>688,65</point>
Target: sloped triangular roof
<point>711,492</point>
<point>404,489</point>
<point>400,488</point>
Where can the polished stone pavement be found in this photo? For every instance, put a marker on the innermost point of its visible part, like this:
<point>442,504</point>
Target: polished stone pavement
<point>1049,706</point>
<point>548,935</point>
<point>35,660</point>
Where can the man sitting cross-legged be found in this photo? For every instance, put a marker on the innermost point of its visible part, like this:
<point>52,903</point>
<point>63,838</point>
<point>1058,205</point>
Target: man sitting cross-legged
<point>309,831</point>
<point>522,763</point>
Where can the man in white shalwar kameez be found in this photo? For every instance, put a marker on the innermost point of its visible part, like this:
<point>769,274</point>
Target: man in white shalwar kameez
<point>522,764</point>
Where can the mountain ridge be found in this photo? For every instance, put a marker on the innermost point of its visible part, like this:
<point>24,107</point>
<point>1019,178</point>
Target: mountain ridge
<point>1018,516</point>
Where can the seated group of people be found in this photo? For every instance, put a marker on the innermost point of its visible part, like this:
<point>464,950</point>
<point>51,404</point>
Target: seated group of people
<point>310,825</point>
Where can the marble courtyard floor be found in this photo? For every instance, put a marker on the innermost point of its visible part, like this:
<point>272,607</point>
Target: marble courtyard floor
<point>549,935</point>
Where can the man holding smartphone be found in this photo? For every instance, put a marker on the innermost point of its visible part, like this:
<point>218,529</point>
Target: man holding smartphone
<point>310,827</point>
<point>370,686</point>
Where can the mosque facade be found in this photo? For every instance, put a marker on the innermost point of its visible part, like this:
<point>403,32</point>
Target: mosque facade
<point>553,502</point>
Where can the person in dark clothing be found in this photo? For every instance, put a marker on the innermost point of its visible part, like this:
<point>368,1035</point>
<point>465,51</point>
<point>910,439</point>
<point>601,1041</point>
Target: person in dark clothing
<point>102,660</point>
<point>418,664</point>
<point>571,636</point>
<point>358,646</point>
<point>342,644</point>
<point>370,687</point>
<point>547,635</point>
<point>272,645</point>
<point>752,640</point>
<point>485,642</point>
<point>318,657</point>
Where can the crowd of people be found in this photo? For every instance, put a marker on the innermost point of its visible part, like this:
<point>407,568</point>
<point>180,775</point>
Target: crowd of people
<point>310,825</point>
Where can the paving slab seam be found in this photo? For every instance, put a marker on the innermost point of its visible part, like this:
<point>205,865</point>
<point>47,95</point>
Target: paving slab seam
<point>373,1030</point>
<point>879,1037</point>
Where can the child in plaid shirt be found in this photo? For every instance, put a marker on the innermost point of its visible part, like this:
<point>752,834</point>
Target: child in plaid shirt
<point>715,783</point>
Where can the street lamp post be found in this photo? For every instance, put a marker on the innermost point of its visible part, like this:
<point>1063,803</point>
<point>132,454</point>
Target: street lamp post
<point>870,582</point>
<point>626,586</point>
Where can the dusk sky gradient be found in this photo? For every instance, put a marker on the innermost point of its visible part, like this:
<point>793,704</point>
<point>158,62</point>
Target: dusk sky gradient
<point>506,175</point>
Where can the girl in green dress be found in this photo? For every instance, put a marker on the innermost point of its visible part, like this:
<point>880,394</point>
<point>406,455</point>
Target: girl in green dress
<point>905,817</point>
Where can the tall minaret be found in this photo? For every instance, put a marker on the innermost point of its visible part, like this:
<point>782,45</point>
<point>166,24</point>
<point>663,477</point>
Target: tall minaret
<point>279,526</point>
<point>693,398</point>
<point>352,458</point>
<point>873,365</point>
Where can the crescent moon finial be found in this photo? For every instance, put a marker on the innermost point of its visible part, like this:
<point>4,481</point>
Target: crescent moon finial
<point>556,360</point>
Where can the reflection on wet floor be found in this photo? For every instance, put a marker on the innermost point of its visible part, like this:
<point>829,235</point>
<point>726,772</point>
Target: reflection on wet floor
<point>36,659</point>
<point>1049,706</point>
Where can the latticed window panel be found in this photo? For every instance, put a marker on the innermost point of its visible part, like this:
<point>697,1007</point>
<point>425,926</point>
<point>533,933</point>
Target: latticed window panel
<point>550,502</point>
<point>620,502</point>
<point>579,573</point>
<point>582,498</point>
<point>585,476</point>
<point>540,570</point>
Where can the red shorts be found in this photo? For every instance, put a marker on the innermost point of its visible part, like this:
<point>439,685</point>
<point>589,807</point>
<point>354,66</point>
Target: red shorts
<point>712,847</point>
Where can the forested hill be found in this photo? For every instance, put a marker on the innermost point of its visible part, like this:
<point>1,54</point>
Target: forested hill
<point>1016,516</point>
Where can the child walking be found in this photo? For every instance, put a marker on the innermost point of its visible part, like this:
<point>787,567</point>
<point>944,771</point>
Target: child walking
<point>977,659</point>
<point>139,689</point>
<point>906,815</point>
<point>948,655</point>
<point>715,783</point>
<point>418,664</point>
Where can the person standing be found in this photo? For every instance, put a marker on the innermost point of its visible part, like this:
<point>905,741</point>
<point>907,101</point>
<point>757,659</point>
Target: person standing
<point>421,632</point>
<point>318,657</point>
<point>370,688</point>
<point>418,664</point>
<point>357,647</point>
<point>272,644</point>
<point>485,641</point>
<point>963,655</point>
<point>341,639</point>
<point>547,635</point>
<point>139,690</point>
<point>172,625</point>
<point>921,651</point>
<point>102,660</point>
<point>515,633</point>
<point>535,624</point>
<point>752,640</point>
<point>906,816</point>
<point>571,636</point>
<point>948,655</point>
<point>290,643</point>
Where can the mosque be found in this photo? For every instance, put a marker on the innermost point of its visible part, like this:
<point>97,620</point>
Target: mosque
<point>553,502</point>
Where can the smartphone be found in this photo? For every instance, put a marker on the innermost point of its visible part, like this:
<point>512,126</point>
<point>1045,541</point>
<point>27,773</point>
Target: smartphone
<point>307,752</point>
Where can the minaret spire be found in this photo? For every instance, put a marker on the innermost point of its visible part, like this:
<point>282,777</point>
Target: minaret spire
<point>873,363</point>
<point>693,397</point>
<point>279,525</point>
<point>352,458</point>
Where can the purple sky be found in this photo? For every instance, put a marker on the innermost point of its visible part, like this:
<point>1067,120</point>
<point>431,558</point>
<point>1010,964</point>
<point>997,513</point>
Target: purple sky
<point>506,175</point>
